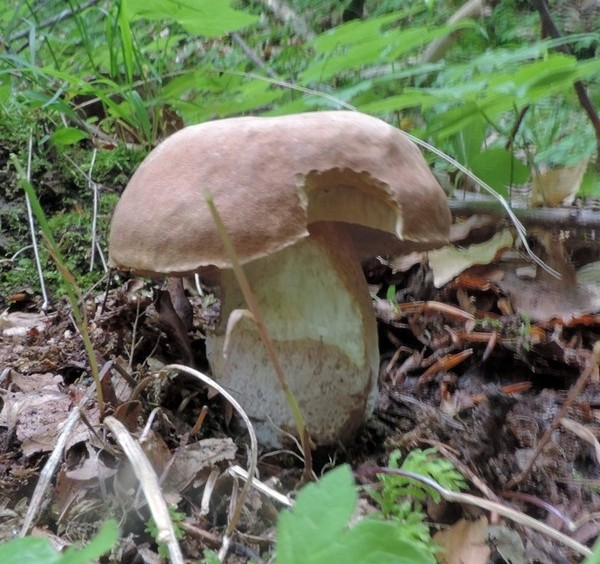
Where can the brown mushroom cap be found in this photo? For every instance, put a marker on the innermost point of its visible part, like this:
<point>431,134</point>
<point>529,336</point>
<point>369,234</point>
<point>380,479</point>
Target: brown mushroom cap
<point>270,178</point>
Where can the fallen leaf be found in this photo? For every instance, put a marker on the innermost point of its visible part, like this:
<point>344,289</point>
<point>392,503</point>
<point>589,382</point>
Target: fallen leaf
<point>450,261</point>
<point>464,542</point>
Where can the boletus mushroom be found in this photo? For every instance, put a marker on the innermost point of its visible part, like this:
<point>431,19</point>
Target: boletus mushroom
<point>304,199</point>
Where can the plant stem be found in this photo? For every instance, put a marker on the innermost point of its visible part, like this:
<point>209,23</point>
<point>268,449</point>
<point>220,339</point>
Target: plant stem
<point>73,292</point>
<point>254,308</point>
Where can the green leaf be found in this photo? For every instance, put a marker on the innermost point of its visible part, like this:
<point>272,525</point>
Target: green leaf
<point>41,551</point>
<point>373,542</point>
<point>410,99</point>
<point>468,141</point>
<point>321,513</point>
<point>367,45</point>
<point>209,18</point>
<point>28,549</point>
<point>317,530</point>
<point>68,136</point>
<point>101,544</point>
<point>499,168</point>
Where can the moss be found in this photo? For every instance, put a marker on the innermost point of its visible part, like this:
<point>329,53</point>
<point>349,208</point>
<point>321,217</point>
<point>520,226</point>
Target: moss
<point>58,173</point>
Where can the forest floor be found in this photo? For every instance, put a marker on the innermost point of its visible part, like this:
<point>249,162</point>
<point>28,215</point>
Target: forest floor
<point>480,367</point>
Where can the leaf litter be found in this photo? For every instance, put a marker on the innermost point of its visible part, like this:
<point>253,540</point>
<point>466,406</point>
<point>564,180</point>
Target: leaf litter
<point>468,367</point>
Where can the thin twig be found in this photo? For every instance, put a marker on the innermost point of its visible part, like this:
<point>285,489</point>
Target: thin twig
<point>574,393</point>
<point>50,467</point>
<point>252,55</point>
<point>550,28</point>
<point>486,504</point>
<point>288,16</point>
<point>65,14</point>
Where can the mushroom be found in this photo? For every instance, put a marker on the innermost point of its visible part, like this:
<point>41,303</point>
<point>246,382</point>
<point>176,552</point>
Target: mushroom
<point>304,199</point>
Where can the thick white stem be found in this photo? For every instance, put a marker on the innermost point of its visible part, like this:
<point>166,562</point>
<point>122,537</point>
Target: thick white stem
<point>316,306</point>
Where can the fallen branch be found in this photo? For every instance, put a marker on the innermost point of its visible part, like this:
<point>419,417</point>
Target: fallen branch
<point>563,218</point>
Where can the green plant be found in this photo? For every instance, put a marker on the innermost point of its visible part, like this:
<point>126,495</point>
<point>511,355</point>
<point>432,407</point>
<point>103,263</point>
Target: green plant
<point>73,291</point>
<point>41,551</point>
<point>318,529</point>
<point>177,518</point>
<point>402,499</point>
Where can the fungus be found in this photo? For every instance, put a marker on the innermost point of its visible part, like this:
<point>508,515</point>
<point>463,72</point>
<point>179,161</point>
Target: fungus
<point>304,198</point>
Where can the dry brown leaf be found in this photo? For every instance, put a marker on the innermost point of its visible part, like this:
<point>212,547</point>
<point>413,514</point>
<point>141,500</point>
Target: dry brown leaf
<point>464,543</point>
<point>38,416</point>
<point>583,433</point>
<point>450,261</point>
<point>197,456</point>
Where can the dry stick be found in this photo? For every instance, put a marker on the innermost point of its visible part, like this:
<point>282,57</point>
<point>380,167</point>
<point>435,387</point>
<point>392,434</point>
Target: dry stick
<point>550,28</point>
<point>254,308</point>
<point>149,482</point>
<point>563,218</point>
<point>486,504</point>
<point>574,392</point>
<point>50,467</point>
<point>288,16</point>
<point>252,55</point>
<point>438,47</point>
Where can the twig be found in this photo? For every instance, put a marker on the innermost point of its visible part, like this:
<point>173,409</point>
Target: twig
<point>238,471</point>
<point>288,16</point>
<point>574,393</point>
<point>149,482</point>
<point>486,504</point>
<point>252,55</point>
<point>438,47</point>
<point>50,467</point>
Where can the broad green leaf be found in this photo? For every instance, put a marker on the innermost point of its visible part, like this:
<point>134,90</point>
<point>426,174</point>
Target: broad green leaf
<point>39,550</point>
<point>28,549</point>
<point>68,136</point>
<point>354,32</point>
<point>317,530</point>
<point>209,18</point>
<point>372,542</point>
<point>468,141</point>
<point>410,99</point>
<point>375,47</point>
<point>321,513</point>
<point>500,169</point>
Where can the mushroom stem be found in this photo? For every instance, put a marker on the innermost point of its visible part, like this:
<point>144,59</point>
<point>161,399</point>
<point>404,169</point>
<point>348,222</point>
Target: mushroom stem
<point>316,306</point>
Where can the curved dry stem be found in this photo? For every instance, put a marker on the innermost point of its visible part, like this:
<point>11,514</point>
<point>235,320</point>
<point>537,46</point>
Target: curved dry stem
<point>253,456</point>
<point>149,482</point>
<point>488,505</point>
